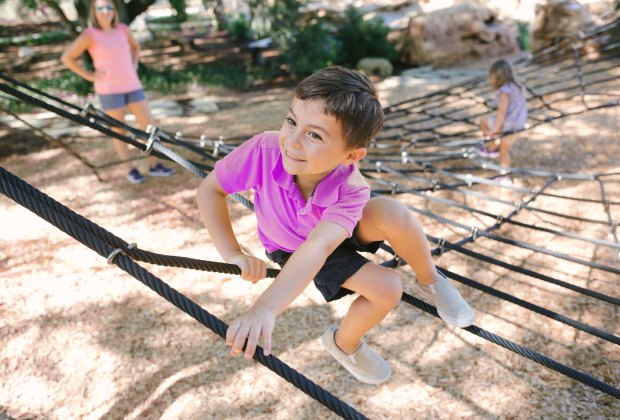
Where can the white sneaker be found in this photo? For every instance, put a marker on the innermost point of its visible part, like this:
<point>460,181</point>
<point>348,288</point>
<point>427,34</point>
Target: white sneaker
<point>366,365</point>
<point>451,306</point>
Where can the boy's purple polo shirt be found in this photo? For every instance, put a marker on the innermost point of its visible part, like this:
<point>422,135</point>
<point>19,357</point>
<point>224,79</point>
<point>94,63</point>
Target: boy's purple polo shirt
<point>284,218</point>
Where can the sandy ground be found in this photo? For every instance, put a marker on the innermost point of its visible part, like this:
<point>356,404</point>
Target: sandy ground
<point>82,339</point>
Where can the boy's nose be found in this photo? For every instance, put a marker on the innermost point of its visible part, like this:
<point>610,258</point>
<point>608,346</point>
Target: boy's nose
<point>293,140</point>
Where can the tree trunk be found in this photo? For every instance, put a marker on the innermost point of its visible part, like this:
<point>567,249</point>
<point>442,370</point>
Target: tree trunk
<point>61,14</point>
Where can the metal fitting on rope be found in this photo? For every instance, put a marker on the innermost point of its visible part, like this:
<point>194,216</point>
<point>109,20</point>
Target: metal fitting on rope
<point>468,180</point>
<point>203,141</point>
<point>441,245</point>
<point>216,146</point>
<point>558,176</point>
<point>434,184</point>
<point>117,251</point>
<point>178,135</point>
<point>378,166</point>
<point>500,219</point>
<point>153,137</point>
<point>404,156</point>
<point>474,233</point>
<point>86,110</point>
<point>393,185</point>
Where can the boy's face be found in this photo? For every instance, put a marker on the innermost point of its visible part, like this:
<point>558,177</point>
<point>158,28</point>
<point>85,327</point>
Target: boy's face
<point>312,143</point>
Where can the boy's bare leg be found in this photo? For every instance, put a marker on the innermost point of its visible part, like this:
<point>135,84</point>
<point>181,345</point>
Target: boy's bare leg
<point>380,290</point>
<point>388,220</point>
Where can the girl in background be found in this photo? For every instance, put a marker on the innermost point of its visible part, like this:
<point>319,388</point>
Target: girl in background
<point>510,117</point>
<point>115,57</point>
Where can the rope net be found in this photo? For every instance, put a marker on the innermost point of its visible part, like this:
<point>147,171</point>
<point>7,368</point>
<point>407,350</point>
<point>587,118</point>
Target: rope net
<point>425,157</point>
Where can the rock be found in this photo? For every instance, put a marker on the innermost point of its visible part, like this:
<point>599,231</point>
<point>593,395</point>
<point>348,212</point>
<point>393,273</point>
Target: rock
<point>446,36</point>
<point>556,19</point>
<point>375,65</point>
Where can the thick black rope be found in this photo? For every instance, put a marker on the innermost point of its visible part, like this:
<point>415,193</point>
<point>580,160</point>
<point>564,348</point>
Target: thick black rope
<point>517,205</point>
<point>500,238</point>
<point>523,351</point>
<point>22,193</point>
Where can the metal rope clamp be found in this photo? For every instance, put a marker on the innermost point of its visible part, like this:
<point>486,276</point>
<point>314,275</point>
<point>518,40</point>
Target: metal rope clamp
<point>474,233</point>
<point>393,186</point>
<point>117,251</point>
<point>441,245</point>
<point>86,110</point>
<point>153,137</point>
<point>216,146</point>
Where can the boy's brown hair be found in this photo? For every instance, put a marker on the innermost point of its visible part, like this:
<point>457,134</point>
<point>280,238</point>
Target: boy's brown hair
<point>350,97</point>
<point>92,18</point>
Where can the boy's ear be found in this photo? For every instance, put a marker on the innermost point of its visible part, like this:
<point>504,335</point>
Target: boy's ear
<point>357,154</point>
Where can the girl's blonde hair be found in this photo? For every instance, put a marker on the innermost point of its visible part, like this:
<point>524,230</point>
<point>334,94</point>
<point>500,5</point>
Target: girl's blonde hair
<point>92,10</point>
<point>501,73</point>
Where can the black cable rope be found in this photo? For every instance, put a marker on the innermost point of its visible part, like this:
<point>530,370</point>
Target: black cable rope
<point>7,184</point>
<point>523,351</point>
<point>16,188</point>
<point>99,115</point>
<point>437,185</point>
<point>613,225</point>
<point>490,235</point>
<point>469,179</point>
<point>482,257</point>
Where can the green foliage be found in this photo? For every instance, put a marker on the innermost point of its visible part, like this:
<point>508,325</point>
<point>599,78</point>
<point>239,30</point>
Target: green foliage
<point>311,49</point>
<point>179,7</point>
<point>239,28</point>
<point>64,82</point>
<point>362,38</point>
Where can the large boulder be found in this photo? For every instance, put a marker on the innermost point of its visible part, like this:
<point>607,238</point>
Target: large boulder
<point>446,36</point>
<point>557,19</point>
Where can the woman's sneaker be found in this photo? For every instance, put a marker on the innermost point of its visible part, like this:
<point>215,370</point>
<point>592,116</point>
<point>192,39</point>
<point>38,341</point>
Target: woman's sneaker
<point>160,170</point>
<point>135,177</point>
<point>364,364</point>
<point>451,306</point>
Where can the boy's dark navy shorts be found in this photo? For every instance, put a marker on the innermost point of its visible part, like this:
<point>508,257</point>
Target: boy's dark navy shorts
<point>339,266</point>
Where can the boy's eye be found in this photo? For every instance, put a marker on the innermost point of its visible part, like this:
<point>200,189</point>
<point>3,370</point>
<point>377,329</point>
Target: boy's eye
<point>289,121</point>
<point>314,135</point>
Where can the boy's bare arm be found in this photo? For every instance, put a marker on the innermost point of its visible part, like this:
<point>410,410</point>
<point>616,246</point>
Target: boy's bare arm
<point>300,269</point>
<point>214,211</point>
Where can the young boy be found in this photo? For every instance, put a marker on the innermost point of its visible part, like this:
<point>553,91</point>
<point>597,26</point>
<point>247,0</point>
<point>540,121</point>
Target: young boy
<point>314,213</point>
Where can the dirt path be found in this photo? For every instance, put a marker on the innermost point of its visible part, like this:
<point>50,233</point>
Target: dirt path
<point>82,339</point>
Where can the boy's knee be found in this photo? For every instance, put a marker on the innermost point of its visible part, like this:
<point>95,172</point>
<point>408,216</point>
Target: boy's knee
<point>386,212</point>
<point>393,289</point>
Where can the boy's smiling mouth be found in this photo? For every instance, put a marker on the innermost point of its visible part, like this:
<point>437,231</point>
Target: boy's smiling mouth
<point>296,159</point>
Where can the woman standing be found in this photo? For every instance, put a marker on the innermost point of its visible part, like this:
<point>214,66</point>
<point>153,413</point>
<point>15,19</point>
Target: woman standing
<point>115,56</point>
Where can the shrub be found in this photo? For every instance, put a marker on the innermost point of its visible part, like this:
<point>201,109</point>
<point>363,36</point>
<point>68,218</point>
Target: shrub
<point>311,49</point>
<point>362,38</point>
<point>239,28</point>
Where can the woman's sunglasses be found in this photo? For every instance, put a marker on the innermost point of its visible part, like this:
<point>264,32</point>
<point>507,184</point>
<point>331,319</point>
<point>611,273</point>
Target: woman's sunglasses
<point>109,8</point>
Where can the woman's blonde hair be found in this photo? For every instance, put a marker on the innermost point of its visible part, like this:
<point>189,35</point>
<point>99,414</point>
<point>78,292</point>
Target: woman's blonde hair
<point>92,10</point>
<point>501,73</point>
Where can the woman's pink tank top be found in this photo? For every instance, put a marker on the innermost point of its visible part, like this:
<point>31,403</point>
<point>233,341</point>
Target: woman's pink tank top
<point>111,55</point>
